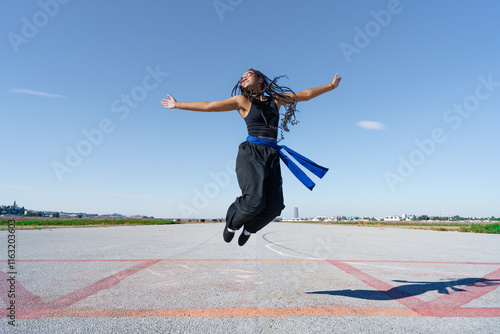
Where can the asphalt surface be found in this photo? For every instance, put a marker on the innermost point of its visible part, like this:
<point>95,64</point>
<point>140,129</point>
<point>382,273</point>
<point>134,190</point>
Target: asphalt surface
<point>288,278</point>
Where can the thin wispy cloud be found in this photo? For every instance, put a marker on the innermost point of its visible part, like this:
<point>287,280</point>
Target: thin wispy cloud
<point>371,125</point>
<point>37,93</point>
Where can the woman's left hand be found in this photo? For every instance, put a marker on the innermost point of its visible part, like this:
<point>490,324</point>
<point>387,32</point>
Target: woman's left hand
<point>336,81</point>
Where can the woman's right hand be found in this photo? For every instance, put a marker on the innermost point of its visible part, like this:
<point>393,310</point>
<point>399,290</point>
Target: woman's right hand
<point>170,104</point>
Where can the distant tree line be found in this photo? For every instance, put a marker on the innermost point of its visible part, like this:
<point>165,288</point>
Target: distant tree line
<point>453,218</point>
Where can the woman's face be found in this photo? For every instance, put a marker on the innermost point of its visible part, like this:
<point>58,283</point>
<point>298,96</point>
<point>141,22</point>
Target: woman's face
<point>249,81</point>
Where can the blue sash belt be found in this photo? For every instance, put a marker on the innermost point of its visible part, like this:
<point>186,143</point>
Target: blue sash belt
<point>313,167</point>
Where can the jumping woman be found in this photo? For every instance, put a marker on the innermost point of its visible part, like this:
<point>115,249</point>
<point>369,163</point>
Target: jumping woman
<point>258,100</point>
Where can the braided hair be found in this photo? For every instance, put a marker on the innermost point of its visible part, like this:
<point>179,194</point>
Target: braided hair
<point>276,92</point>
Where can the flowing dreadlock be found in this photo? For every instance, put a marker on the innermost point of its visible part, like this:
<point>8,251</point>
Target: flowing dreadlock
<point>276,92</point>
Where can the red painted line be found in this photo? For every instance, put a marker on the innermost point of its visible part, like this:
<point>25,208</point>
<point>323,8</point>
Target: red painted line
<point>459,312</point>
<point>273,312</point>
<point>35,308</point>
<point>177,260</point>
<point>239,312</point>
<point>422,262</point>
<point>103,284</point>
<point>259,260</point>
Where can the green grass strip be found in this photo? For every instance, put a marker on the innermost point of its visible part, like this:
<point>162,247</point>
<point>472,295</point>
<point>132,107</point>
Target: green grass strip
<point>90,222</point>
<point>478,228</point>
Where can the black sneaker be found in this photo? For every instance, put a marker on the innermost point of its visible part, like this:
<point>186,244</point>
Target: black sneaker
<point>243,238</point>
<point>228,236</point>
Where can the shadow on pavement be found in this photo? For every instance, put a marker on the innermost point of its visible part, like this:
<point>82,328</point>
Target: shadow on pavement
<point>412,289</point>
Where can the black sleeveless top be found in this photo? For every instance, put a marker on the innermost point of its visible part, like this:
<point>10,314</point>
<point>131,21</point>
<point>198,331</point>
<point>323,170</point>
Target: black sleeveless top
<point>256,124</point>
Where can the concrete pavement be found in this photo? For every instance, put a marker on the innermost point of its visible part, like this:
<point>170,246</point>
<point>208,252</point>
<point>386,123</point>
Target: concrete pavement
<point>288,278</point>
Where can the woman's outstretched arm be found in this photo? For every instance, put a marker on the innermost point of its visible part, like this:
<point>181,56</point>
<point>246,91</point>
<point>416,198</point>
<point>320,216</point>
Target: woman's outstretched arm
<point>311,93</point>
<point>232,103</point>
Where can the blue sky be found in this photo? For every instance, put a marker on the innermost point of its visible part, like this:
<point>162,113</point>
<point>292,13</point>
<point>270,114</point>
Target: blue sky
<point>413,127</point>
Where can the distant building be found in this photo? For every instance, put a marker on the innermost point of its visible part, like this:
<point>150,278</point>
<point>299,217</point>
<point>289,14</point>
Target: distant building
<point>296,212</point>
<point>392,218</point>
